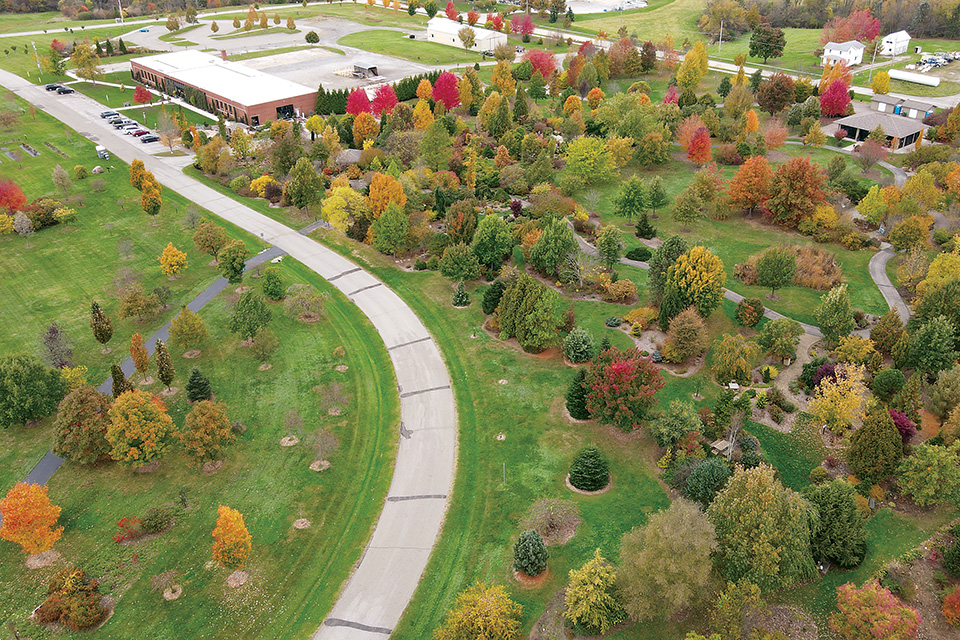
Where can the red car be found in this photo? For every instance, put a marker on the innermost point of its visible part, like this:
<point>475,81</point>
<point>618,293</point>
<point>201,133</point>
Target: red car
<point>139,132</point>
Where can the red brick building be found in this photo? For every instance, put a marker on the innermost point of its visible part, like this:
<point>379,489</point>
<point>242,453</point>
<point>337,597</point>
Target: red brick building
<point>238,92</point>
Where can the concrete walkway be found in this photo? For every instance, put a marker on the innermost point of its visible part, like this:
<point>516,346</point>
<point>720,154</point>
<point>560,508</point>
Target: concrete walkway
<point>375,596</point>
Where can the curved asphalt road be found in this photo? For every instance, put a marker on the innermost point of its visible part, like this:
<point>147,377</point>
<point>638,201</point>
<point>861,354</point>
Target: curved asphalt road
<point>375,596</point>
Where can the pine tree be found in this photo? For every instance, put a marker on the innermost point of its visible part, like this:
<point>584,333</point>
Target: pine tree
<point>123,47</point>
<point>460,297</point>
<point>577,396</point>
<point>589,471</point>
<point>198,386</point>
<point>101,325</point>
<point>530,554</point>
<point>520,107</point>
<point>120,382</point>
<point>165,370</point>
<point>604,344</point>
<point>875,448</point>
<point>644,229</point>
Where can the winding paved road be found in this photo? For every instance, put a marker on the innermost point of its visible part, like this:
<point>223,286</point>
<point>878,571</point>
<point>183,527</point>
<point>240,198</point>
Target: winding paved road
<point>378,591</point>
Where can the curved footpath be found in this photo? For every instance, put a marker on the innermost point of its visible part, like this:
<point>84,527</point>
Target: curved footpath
<point>378,591</point>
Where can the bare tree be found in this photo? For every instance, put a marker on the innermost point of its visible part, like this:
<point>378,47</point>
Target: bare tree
<point>324,442</point>
<point>23,226</point>
<point>61,179</point>
<point>294,423</point>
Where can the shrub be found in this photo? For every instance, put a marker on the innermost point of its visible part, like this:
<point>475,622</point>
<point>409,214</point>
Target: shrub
<point>727,154</point>
<point>80,172</point>
<point>128,529</point>
<point>951,607</point>
<point>819,475</point>
<point>589,471</point>
<point>619,291</point>
<point>240,183</point>
<point>578,346</point>
<point>887,383</point>
<point>613,322</point>
<point>709,477</point>
<point>530,554</point>
<point>951,559</point>
<point>552,517</point>
<point>640,254</point>
<point>641,315</point>
<point>156,519</point>
<point>492,295</point>
<point>749,312</point>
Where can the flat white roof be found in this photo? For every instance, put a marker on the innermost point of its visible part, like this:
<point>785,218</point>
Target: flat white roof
<point>844,46</point>
<point>228,80</point>
<point>446,25</point>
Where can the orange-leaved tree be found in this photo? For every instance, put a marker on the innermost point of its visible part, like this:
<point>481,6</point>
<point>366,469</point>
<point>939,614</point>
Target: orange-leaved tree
<point>207,430</point>
<point>384,189</point>
<point>138,429</point>
<point>29,518</point>
<point>231,540</point>
<point>136,173</point>
<point>138,352</point>
<point>699,149</point>
<point>750,186</point>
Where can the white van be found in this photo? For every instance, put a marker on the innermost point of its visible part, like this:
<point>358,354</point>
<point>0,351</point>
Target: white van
<point>102,152</point>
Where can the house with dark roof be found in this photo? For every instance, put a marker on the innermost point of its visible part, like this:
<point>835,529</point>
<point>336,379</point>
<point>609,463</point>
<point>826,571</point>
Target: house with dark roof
<point>900,131</point>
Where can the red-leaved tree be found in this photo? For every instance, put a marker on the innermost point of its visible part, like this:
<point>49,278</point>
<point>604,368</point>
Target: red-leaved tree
<point>141,95</point>
<point>451,12</point>
<point>796,192</point>
<point>685,132</point>
<point>699,149</point>
<point>11,196</point>
<point>384,100</point>
<point>445,90</point>
<point>671,96</point>
<point>495,20</point>
<point>836,99</point>
<point>472,17</point>
<point>859,25</point>
<point>621,387</point>
<point>523,26</point>
<point>542,61</point>
<point>872,612</point>
<point>358,102</point>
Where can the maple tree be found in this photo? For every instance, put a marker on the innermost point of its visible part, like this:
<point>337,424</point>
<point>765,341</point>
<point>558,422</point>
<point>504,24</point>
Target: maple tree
<point>150,199</point>
<point>232,261</point>
<point>384,189</point>
<point>138,428</point>
<point>81,425</point>
<point>424,89</point>
<point>796,191</point>
<point>858,25</point>
<point>358,102</point>
<point>384,100</point>
<point>445,90</point>
<point>29,518</point>
<point>365,127</point>
<point>687,129</point>
<point>231,540</point>
<point>622,387</point>
<point>187,330</point>
<point>542,61</point>
<point>139,355</point>
<point>207,431</point>
<point>835,99</point>
<point>776,93</point>
<point>12,197</point>
<point>172,260</point>
<point>137,171</point>
<point>699,150</point>
<point>142,95</point>
<point>751,186</point>
<point>872,612</point>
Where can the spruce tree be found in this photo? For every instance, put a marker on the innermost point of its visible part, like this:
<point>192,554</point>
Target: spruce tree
<point>123,47</point>
<point>520,108</point>
<point>198,386</point>
<point>165,370</point>
<point>460,297</point>
<point>492,295</point>
<point>530,554</point>
<point>120,382</point>
<point>589,471</point>
<point>101,324</point>
<point>644,229</point>
<point>875,448</point>
<point>577,396</point>
<point>604,344</point>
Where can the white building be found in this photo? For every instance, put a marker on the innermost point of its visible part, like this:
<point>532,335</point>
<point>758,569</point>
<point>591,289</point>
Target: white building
<point>446,31</point>
<point>895,43</point>
<point>850,52</point>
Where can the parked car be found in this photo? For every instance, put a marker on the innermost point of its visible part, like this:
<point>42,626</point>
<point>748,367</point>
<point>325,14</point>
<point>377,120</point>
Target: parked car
<point>109,114</point>
<point>130,128</point>
<point>65,90</point>
<point>52,87</point>
<point>144,30</point>
<point>139,132</point>
<point>123,123</point>
<point>150,137</point>
<point>115,120</point>
<point>102,152</point>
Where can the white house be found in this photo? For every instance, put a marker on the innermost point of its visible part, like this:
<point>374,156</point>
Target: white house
<point>850,52</point>
<point>895,43</point>
<point>446,31</point>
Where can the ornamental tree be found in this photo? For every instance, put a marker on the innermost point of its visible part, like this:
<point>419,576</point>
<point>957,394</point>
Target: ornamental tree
<point>207,431</point>
<point>100,324</point>
<point>622,387</point>
<point>931,475</point>
<point>932,346</point>
<point>609,243</point>
<point>872,612</point>
<point>679,420</point>
<point>231,540</point>
<point>384,189</point>
<point>841,537</point>
<point>779,337</point>
<point>142,95</point>
<point>697,278</point>
<point>210,238</point>
<point>28,390</point>
<point>139,355</point>
<point>665,564</point>
<point>838,401</point>
<point>187,330</point>
<point>733,358</point>
<point>445,90</point>
<point>875,448</point>
<point>150,199</point>
<point>686,336</point>
<point>250,315</point>
<point>138,428</point>
<point>358,102</point>
<point>589,471</point>
<point>776,268</point>
<point>384,100</point>
<point>835,100</point>
<point>481,612</point>
<point>492,241</point>
<point>459,263</point>
<point>553,246</point>
<point>834,314</point>
<point>390,230</point>
<point>699,150</point>
<point>29,518</point>
<point>753,501</point>
<point>796,190</point>
<point>945,393</point>
<point>530,554</point>
<point>165,370</point>
<point>776,94</point>
<point>232,261</point>
<point>767,42</point>
<point>706,480</point>
<point>81,426</point>
<point>591,598</point>
<point>751,185</point>
<point>631,200</point>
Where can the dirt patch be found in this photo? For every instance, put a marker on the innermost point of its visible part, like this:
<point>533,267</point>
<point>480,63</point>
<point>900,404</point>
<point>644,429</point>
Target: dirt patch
<point>289,441</point>
<point>309,318</point>
<point>790,621</point>
<point>319,465</point>
<point>566,414</point>
<point>149,467</point>
<point>212,466</point>
<point>341,368</point>
<point>237,578</point>
<point>170,392</point>
<point>266,366</point>
<point>246,343</point>
<point>333,412</point>
<point>589,493</point>
<point>528,582</point>
<point>551,625</point>
<point>240,290</point>
<point>193,353</point>
<point>42,560</point>
<point>301,523</point>
<point>784,426</point>
<point>172,593</point>
<point>147,381</point>
<point>929,426</point>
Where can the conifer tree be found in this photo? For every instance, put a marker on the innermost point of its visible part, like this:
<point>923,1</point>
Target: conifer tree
<point>165,370</point>
<point>577,396</point>
<point>589,471</point>
<point>198,386</point>
<point>120,382</point>
<point>101,325</point>
<point>530,554</point>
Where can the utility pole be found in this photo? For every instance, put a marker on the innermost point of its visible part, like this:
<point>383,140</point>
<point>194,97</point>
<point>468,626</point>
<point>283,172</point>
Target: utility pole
<point>875,47</point>
<point>120,8</point>
<point>719,46</point>
<point>36,56</point>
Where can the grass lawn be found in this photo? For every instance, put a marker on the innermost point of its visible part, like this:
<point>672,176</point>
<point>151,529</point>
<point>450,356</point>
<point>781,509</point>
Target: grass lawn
<point>149,115</point>
<point>119,77</point>
<point>375,16</point>
<point>173,36</point>
<point>66,267</point>
<point>295,575</point>
<point>797,54</point>
<point>105,94</point>
<point>269,52</point>
<point>46,20</point>
<point>22,62</point>
<point>793,454</point>
<point>240,33</point>
<point>396,44</point>
<point>677,18</point>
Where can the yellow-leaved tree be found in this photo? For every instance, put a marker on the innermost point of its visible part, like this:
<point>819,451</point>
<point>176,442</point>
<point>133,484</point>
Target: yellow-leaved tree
<point>424,89</point>
<point>697,277</point>
<point>231,540</point>
<point>172,261</point>
<point>384,189</point>
<point>29,518</point>
<point>138,428</point>
<point>591,600</point>
<point>481,612</point>
<point>752,122</point>
<point>422,115</point>
<point>839,401</point>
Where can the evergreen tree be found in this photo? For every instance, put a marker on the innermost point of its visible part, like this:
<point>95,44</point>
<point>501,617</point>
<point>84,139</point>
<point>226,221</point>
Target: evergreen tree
<point>123,47</point>
<point>663,258</point>
<point>165,370</point>
<point>604,344</point>
<point>841,536</point>
<point>530,554</point>
<point>875,448</point>
<point>492,295</point>
<point>101,324</point>
<point>198,386</point>
<point>644,229</point>
<point>520,107</point>
<point>577,396</point>
<point>460,297</point>
<point>589,471</point>
<point>120,382</point>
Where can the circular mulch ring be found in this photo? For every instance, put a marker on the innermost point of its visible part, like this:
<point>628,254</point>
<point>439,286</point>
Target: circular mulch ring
<point>42,560</point>
<point>589,493</point>
<point>172,391</point>
<point>528,582</point>
<point>289,441</point>
<point>501,437</point>
<point>333,412</point>
<point>147,380</point>
<point>301,523</point>
<point>149,468</point>
<point>193,353</point>
<point>237,578</point>
<point>501,381</point>
<point>212,467</point>
<point>172,593</point>
<point>266,366</point>
<point>342,367</point>
<point>319,465</point>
